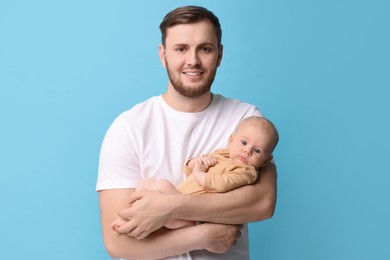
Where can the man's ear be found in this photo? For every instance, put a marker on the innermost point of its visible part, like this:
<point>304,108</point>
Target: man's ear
<point>161,52</point>
<point>220,52</point>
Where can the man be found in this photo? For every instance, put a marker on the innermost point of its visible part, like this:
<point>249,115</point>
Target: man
<point>156,137</point>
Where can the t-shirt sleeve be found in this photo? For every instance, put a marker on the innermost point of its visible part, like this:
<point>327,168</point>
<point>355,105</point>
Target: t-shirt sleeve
<point>118,163</point>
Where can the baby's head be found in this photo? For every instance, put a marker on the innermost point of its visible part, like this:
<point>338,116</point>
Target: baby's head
<point>253,141</point>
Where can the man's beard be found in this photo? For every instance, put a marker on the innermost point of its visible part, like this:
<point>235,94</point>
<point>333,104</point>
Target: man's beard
<point>194,91</point>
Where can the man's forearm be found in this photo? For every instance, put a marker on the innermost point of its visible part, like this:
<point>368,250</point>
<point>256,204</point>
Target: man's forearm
<point>246,204</point>
<point>160,244</point>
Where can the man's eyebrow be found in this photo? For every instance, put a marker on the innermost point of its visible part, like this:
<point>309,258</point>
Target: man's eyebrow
<point>180,44</point>
<point>208,43</point>
<point>201,44</point>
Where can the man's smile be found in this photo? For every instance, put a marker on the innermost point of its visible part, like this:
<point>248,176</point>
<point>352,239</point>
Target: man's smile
<point>192,73</point>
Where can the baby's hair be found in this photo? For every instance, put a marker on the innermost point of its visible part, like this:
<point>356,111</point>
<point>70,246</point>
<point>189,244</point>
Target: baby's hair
<point>266,124</point>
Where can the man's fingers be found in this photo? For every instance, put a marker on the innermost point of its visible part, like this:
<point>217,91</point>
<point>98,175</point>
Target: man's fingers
<point>125,213</point>
<point>137,195</point>
<point>140,236</point>
<point>137,234</point>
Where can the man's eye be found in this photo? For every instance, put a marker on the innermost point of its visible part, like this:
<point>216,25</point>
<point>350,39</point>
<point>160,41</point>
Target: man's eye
<point>206,49</point>
<point>180,49</point>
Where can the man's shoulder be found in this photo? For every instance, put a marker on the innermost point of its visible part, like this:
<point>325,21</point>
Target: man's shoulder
<point>220,99</point>
<point>231,105</point>
<point>141,108</point>
<point>152,101</point>
<point>139,115</point>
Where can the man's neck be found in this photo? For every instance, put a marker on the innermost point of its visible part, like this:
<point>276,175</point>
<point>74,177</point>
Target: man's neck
<point>186,104</point>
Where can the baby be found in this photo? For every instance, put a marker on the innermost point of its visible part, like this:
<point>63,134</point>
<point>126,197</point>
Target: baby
<point>249,148</point>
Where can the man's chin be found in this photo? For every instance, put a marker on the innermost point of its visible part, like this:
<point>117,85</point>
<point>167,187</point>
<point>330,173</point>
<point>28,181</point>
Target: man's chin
<point>192,91</point>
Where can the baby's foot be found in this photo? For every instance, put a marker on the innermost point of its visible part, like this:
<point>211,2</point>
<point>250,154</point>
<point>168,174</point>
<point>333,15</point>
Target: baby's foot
<point>117,223</point>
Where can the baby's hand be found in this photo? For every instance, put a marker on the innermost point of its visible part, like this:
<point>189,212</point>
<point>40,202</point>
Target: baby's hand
<point>202,163</point>
<point>209,161</point>
<point>196,164</point>
<point>200,177</point>
<point>117,223</point>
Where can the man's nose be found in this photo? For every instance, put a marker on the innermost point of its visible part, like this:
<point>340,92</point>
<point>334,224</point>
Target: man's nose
<point>193,58</point>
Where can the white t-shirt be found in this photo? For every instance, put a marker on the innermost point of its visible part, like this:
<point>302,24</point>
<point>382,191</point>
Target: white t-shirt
<point>154,140</point>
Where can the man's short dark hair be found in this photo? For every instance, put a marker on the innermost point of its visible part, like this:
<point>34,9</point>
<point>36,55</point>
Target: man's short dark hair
<point>189,15</point>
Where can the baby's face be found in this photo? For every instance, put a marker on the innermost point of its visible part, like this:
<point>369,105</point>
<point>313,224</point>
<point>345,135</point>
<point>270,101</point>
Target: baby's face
<point>249,145</point>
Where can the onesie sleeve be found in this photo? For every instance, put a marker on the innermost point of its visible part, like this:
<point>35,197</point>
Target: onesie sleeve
<point>234,177</point>
<point>187,170</point>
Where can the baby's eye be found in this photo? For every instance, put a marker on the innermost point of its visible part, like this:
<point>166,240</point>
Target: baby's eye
<point>256,150</point>
<point>243,142</point>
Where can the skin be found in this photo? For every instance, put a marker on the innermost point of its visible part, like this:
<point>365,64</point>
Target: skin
<point>162,243</point>
<point>191,56</point>
<point>148,211</point>
<point>252,144</point>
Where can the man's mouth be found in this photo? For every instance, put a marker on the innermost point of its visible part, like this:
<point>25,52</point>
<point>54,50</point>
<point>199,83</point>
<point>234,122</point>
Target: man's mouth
<point>192,73</point>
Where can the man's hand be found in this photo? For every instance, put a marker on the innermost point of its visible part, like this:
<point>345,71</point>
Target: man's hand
<point>149,211</point>
<point>220,238</point>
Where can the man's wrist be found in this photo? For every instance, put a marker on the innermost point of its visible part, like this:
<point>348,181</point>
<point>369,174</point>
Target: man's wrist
<point>198,233</point>
<point>179,201</point>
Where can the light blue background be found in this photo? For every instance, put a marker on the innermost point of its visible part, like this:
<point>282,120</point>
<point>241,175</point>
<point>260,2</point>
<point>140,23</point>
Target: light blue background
<point>319,69</point>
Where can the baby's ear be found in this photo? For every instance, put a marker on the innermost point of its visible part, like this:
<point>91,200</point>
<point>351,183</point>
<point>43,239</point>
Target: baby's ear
<point>267,161</point>
<point>231,139</point>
